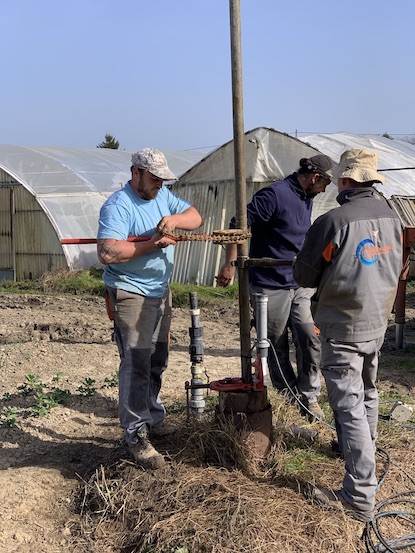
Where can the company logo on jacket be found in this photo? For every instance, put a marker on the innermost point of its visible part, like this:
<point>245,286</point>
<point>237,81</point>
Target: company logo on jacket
<point>368,252</point>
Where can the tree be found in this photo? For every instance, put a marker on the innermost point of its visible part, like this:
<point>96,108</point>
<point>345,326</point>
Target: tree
<point>109,142</point>
<point>386,135</point>
<point>410,139</point>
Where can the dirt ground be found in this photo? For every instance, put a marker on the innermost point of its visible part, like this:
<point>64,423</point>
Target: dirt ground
<point>66,341</point>
<point>43,458</point>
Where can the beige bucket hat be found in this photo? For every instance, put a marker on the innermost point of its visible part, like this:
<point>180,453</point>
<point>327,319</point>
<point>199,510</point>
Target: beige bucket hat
<point>359,165</point>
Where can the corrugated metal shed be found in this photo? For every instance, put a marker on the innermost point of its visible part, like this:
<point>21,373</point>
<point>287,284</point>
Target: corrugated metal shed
<point>405,208</point>
<point>210,186</point>
<point>50,193</point>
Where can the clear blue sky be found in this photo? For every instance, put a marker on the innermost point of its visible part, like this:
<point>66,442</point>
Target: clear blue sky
<point>158,72</point>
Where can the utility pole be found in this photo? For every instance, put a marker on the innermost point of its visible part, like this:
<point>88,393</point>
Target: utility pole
<point>240,186</point>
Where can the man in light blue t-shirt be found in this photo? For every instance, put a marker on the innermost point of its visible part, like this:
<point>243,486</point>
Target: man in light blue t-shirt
<point>137,278</point>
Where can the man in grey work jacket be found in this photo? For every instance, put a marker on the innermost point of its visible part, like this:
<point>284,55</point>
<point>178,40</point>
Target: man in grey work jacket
<point>279,216</point>
<point>353,255</point>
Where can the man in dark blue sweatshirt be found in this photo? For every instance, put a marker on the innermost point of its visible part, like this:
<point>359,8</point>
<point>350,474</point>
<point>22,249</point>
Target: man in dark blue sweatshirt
<point>279,217</point>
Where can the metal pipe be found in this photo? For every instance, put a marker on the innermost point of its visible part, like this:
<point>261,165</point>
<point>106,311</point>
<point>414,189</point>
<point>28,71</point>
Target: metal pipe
<point>94,240</point>
<point>262,344</point>
<point>267,262</point>
<point>196,402</point>
<point>240,185</point>
<point>399,327</point>
<point>400,300</point>
<point>400,307</point>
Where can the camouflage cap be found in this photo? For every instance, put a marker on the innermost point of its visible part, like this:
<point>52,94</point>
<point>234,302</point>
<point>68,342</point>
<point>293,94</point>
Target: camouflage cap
<point>154,161</point>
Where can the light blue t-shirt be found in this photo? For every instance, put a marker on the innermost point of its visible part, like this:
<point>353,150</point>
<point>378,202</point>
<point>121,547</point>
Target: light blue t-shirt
<point>125,214</point>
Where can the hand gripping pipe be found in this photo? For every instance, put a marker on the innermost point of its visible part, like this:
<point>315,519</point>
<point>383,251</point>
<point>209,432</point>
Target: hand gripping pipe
<point>197,402</point>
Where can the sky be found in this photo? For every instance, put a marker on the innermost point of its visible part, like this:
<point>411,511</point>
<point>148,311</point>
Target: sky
<point>158,73</point>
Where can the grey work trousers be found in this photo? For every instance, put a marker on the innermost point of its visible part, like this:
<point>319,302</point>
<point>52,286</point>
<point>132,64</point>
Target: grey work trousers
<point>141,328</point>
<point>350,371</point>
<point>292,308</point>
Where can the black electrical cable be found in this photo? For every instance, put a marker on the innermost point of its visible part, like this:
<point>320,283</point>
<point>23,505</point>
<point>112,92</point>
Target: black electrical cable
<point>373,528</point>
<point>382,453</point>
<point>384,510</point>
<point>292,392</point>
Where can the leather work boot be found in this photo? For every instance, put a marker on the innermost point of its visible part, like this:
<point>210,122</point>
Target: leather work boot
<point>315,410</point>
<point>145,454</point>
<point>330,498</point>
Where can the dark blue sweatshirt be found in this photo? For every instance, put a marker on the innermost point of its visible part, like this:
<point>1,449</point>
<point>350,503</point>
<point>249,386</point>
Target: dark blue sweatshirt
<point>279,217</point>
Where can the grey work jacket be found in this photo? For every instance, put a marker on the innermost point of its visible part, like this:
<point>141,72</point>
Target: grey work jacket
<point>353,256</point>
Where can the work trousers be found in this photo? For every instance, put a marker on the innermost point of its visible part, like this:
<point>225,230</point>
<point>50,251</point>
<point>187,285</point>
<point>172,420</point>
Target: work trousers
<point>350,371</point>
<point>141,327</point>
<point>292,308</point>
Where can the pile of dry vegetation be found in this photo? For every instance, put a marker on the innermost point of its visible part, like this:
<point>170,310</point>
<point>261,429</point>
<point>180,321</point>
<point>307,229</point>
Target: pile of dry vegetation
<point>213,496</point>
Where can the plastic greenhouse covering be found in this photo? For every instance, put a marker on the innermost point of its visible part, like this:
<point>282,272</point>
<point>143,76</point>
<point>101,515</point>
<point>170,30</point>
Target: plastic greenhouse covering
<point>393,157</point>
<point>72,184</point>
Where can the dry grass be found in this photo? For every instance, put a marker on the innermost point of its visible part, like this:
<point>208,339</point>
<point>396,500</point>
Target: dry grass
<point>215,497</point>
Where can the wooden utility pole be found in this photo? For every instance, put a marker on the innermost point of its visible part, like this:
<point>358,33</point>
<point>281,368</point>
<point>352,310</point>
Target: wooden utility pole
<point>240,186</point>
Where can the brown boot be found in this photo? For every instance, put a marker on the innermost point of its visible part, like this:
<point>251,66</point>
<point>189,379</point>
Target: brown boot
<point>145,454</point>
<point>325,497</point>
<point>314,411</point>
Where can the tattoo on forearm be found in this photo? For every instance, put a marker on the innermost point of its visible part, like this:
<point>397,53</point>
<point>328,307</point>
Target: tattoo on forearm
<point>109,253</point>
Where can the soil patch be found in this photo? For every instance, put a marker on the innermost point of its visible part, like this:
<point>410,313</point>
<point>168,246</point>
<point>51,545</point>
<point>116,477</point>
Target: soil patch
<point>46,461</point>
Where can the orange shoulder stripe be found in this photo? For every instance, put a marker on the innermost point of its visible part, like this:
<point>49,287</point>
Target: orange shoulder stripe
<point>328,251</point>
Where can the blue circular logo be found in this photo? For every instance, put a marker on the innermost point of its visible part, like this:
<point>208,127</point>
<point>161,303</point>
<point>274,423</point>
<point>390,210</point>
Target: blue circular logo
<point>361,250</point>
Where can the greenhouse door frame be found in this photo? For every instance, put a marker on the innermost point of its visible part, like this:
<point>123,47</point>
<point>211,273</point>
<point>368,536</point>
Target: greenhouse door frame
<point>7,245</point>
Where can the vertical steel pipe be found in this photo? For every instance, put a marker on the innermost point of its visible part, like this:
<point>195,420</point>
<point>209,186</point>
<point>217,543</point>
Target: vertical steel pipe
<point>262,344</point>
<point>197,401</point>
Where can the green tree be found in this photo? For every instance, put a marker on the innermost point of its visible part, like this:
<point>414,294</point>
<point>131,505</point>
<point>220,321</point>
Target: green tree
<point>109,142</point>
<point>386,135</point>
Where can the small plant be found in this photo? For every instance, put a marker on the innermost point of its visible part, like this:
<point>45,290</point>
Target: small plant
<point>60,396</point>
<point>32,384</point>
<point>111,381</point>
<point>57,376</point>
<point>9,417</point>
<point>87,387</point>
<point>45,401</point>
<point>43,404</point>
